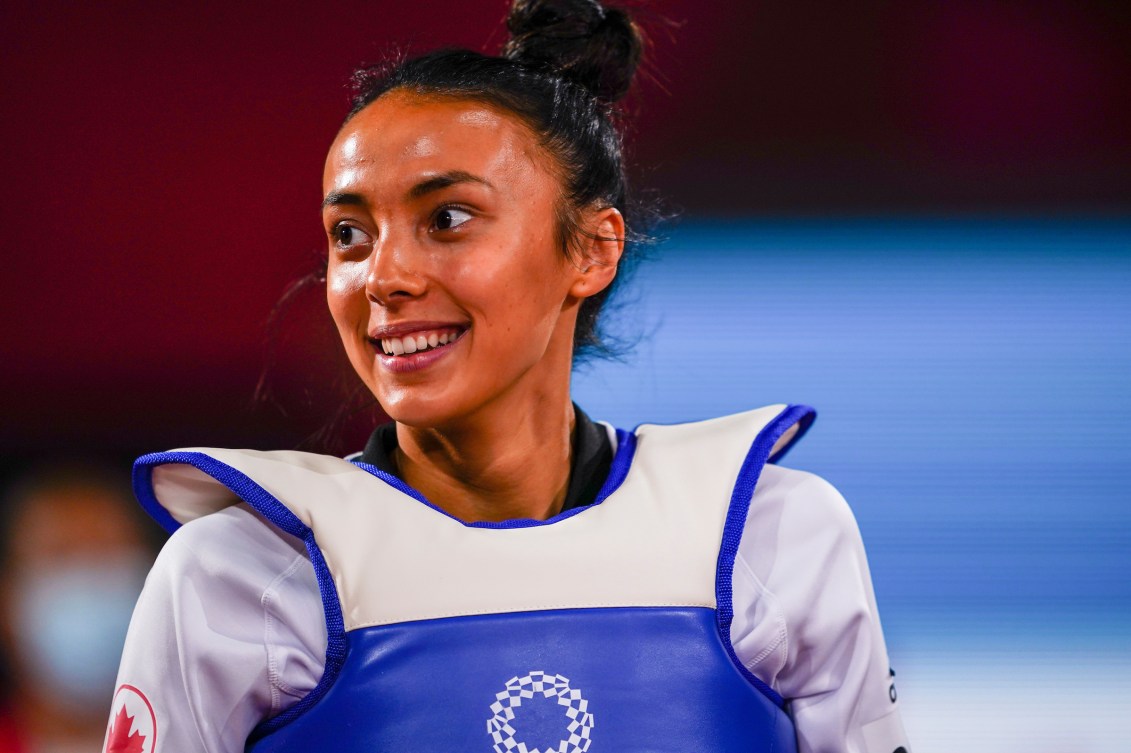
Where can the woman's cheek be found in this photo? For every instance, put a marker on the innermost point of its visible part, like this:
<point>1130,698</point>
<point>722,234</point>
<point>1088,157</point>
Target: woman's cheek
<point>345,286</point>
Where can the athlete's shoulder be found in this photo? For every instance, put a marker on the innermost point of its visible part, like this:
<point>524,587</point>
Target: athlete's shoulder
<point>233,540</point>
<point>751,437</point>
<point>804,493</point>
<point>797,519</point>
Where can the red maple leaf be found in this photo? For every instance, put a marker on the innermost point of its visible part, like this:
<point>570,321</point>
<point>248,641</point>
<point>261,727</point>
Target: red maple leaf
<point>120,740</point>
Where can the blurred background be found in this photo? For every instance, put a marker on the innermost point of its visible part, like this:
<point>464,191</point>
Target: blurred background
<point>915,216</point>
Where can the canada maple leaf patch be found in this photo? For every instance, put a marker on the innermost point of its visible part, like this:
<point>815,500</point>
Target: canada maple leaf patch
<point>133,726</point>
<point>123,738</point>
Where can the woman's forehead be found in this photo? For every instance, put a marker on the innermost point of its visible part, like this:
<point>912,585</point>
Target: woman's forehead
<point>404,132</point>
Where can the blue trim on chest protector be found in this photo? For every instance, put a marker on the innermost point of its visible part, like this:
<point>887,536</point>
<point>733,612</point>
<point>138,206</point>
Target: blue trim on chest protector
<point>653,679</point>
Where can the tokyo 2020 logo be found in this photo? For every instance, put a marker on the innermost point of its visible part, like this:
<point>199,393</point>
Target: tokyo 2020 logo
<point>578,722</point>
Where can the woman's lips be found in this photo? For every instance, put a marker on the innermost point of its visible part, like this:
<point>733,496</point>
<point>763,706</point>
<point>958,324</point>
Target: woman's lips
<point>416,350</point>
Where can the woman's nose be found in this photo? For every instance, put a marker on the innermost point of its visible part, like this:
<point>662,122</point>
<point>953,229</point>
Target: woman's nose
<point>392,274</point>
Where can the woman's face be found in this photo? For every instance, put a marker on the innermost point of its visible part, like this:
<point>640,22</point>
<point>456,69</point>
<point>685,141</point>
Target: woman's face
<point>447,285</point>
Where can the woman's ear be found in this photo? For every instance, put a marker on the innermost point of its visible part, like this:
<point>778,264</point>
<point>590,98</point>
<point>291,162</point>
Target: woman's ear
<point>600,246</point>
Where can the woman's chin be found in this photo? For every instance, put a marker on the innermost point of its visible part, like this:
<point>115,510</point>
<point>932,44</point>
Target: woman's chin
<point>417,411</point>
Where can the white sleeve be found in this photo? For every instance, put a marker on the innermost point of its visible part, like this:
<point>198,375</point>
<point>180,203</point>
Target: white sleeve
<point>805,617</point>
<point>209,647</point>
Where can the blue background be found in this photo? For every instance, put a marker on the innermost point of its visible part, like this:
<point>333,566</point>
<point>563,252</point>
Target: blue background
<point>971,381</point>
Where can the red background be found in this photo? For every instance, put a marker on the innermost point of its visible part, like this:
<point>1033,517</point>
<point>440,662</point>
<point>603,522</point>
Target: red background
<point>162,165</point>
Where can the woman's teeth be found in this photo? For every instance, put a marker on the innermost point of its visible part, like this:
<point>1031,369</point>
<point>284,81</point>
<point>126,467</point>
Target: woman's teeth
<point>417,341</point>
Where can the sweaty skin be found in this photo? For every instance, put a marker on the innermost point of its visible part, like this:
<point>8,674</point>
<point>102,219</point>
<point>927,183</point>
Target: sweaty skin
<point>440,217</point>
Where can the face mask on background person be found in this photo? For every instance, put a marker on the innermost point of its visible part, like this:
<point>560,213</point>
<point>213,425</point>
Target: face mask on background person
<point>70,624</point>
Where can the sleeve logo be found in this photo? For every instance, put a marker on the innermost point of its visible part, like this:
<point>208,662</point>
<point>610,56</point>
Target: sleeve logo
<point>133,726</point>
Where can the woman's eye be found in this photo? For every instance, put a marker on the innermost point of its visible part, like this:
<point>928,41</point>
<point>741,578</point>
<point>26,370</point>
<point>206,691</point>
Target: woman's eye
<point>346,236</point>
<point>449,218</point>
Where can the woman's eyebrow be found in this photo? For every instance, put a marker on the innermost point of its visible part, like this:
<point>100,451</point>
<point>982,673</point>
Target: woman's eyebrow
<point>423,188</point>
<point>336,199</point>
<point>443,180</point>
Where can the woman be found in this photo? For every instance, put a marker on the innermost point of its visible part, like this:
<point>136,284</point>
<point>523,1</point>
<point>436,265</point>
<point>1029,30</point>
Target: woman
<point>496,571</point>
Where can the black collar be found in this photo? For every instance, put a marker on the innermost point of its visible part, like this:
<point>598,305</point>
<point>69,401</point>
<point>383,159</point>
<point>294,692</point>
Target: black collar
<point>591,458</point>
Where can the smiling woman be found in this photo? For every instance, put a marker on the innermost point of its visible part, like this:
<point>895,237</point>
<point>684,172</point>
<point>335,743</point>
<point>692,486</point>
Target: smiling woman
<point>440,216</point>
<point>495,570</point>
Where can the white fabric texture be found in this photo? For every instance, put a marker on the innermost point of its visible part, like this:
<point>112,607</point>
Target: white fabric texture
<point>229,629</point>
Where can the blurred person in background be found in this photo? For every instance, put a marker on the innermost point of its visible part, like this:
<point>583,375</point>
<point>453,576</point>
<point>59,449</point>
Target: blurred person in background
<point>72,561</point>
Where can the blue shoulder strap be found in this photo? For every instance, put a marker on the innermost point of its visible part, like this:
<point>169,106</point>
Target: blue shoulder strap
<point>762,451</point>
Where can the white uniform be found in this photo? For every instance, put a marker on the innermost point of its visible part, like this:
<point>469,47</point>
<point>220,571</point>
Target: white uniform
<point>230,631</point>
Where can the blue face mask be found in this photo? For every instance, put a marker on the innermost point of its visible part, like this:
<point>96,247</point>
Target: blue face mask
<point>71,622</point>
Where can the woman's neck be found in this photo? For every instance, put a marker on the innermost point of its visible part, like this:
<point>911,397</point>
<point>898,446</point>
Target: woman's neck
<point>500,465</point>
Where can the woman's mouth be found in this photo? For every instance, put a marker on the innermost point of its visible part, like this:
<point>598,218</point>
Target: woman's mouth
<point>419,342</point>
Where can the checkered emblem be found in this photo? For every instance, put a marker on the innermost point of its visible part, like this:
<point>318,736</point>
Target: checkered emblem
<point>576,734</point>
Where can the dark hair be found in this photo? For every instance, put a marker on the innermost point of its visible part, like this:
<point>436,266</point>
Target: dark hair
<point>566,65</point>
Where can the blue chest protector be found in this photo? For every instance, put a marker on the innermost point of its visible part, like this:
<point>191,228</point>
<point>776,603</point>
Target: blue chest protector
<point>604,629</point>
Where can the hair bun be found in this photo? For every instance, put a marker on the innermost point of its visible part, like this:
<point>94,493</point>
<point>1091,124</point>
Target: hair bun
<point>580,40</point>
